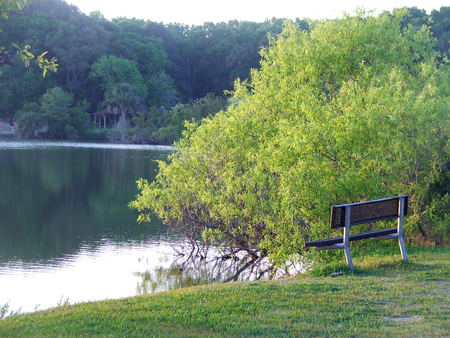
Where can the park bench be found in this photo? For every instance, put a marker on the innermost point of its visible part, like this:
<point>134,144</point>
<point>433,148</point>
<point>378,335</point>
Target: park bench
<point>351,214</point>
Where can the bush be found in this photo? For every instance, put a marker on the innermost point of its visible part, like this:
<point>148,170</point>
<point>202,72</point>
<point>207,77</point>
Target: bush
<point>30,122</point>
<point>355,109</point>
<point>163,126</point>
<point>55,116</point>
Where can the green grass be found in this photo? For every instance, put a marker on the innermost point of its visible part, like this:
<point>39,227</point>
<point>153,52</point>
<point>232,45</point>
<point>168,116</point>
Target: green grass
<point>384,297</point>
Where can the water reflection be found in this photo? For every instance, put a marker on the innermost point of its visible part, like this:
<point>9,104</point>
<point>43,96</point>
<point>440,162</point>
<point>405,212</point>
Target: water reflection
<point>108,272</point>
<point>65,229</point>
<point>66,232</point>
<point>54,200</point>
<point>206,265</point>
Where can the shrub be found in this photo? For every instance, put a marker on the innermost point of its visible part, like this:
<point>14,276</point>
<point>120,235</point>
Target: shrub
<point>355,109</point>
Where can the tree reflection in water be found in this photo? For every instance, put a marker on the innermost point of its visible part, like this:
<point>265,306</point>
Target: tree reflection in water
<point>202,264</point>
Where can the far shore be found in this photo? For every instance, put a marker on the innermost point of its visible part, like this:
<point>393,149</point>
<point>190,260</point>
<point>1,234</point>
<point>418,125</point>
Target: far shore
<point>15,143</point>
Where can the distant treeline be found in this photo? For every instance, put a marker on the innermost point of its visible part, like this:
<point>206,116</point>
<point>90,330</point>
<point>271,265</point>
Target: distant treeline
<point>129,66</point>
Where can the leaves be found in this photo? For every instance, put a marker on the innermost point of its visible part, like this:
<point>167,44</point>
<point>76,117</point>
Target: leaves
<point>43,63</point>
<point>352,110</point>
<point>7,6</point>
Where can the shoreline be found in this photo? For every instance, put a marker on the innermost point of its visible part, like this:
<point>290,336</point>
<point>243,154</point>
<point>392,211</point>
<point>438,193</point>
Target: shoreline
<point>384,297</point>
<point>15,143</point>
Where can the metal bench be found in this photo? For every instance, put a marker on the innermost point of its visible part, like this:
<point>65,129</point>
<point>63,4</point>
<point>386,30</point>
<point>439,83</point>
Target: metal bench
<point>348,215</point>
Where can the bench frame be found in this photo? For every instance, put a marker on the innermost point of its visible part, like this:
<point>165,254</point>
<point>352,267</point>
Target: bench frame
<point>345,245</point>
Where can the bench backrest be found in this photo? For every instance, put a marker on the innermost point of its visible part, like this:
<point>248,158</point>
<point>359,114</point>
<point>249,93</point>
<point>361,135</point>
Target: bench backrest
<point>369,211</point>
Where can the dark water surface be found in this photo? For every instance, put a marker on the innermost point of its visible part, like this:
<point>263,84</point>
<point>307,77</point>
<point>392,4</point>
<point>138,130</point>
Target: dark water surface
<point>65,229</point>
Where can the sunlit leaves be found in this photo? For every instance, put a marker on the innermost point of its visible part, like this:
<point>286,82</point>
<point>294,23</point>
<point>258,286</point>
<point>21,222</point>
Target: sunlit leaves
<point>41,61</point>
<point>355,109</point>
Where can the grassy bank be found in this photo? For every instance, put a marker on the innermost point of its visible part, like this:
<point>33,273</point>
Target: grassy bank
<point>383,297</point>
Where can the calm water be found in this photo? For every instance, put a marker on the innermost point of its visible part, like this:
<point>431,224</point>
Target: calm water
<point>66,232</point>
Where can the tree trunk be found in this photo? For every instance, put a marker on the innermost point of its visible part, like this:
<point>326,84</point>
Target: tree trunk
<point>123,124</point>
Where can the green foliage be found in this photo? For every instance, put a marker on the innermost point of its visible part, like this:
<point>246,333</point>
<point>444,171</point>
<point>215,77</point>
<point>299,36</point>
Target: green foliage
<point>30,122</point>
<point>441,29</point>
<point>229,49</point>
<point>56,116</point>
<point>41,61</point>
<point>161,90</point>
<point>19,86</point>
<point>110,71</point>
<point>7,6</point>
<point>55,109</point>
<point>436,216</point>
<point>25,53</point>
<point>122,100</point>
<point>355,109</point>
<point>163,126</point>
<point>167,63</point>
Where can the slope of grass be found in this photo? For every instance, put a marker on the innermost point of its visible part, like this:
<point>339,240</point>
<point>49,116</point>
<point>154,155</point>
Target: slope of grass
<point>384,297</point>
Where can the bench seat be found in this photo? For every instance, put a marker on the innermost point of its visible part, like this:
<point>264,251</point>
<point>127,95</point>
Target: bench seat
<point>353,237</point>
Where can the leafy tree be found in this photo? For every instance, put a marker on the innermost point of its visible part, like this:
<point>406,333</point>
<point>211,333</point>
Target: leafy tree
<point>209,57</point>
<point>162,126</point>
<point>109,71</point>
<point>438,22</point>
<point>161,90</point>
<point>19,86</point>
<point>30,122</point>
<point>130,41</point>
<point>55,106</point>
<point>355,109</point>
<point>441,29</point>
<point>123,101</point>
<point>56,116</point>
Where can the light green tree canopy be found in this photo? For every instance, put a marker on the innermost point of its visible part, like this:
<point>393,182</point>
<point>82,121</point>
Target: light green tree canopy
<point>355,109</point>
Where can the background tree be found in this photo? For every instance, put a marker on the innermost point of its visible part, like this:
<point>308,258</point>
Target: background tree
<point>440,26</point>
<point>177,63</point>
<point>123,100</point>
<point>164,126</point>
<point>109,71</point>
<point>131,42</point>
<point>55,116</point>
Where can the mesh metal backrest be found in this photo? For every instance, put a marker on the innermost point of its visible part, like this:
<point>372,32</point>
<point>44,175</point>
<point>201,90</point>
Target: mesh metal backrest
<point>366,212</point>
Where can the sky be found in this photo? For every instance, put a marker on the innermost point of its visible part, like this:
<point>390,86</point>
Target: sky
<point>199,11</point>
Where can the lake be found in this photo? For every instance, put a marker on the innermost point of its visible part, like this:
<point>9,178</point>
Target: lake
<point>66,232</point>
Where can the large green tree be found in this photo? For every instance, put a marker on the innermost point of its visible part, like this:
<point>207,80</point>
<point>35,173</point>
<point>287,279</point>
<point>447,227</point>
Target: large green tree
<point>109,71</point>
<point>355,109</point>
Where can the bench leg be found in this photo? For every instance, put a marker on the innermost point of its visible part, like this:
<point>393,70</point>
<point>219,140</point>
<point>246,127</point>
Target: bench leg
<point>401,243</point>
<point>346,238</point>
<point>348,257</point>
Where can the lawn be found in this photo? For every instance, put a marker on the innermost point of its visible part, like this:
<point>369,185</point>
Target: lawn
<point>384,297</point>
